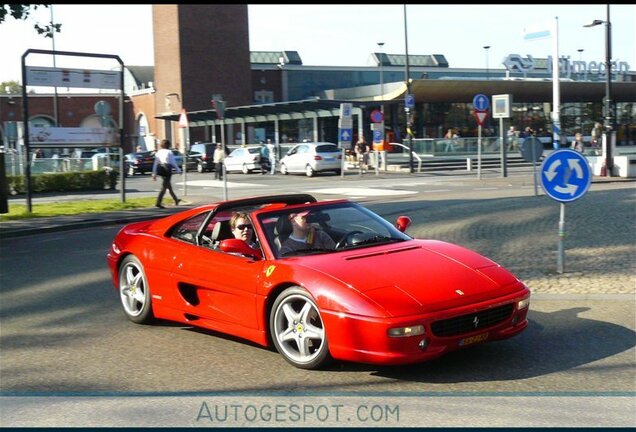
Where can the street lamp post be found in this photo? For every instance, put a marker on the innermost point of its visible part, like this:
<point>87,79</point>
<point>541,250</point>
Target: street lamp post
<point>487,47</point>
<point>407,110</point>
<point>580,50</point>
<point>381,59</point>
<point>608,134</point>
<point>377,153</point>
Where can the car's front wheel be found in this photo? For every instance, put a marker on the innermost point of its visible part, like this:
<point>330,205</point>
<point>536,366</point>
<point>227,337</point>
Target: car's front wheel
<point>134,291</point>
<point>297,329</point>
<point>283,169</point>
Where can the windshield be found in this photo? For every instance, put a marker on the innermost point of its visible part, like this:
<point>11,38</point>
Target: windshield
<point>326,228</point>
<point>327,148</point>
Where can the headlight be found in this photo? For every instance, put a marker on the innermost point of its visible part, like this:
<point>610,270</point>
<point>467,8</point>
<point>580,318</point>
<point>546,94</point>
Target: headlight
<point>522,304</point>
<point>406,331</point>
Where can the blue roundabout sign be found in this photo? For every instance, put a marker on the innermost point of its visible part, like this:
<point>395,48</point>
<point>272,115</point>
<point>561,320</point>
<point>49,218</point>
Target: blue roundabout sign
<point>565,175</point>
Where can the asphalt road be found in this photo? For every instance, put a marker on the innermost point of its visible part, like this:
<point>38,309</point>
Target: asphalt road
<point>70,358</point>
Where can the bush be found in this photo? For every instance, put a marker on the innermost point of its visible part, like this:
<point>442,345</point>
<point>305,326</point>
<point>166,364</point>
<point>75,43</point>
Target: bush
<point>64,182</point>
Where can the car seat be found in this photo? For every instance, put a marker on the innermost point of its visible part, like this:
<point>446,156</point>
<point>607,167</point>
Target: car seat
<point>282,230</point>
<point>221,231</point>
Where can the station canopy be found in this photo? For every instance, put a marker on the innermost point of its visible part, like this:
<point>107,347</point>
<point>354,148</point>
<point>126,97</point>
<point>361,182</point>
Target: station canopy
<point>424,90</point>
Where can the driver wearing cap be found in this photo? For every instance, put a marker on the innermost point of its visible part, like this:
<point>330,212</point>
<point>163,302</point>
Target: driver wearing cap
<point>305,236</point>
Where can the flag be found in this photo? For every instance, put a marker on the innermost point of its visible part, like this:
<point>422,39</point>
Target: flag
<point>537,32</point>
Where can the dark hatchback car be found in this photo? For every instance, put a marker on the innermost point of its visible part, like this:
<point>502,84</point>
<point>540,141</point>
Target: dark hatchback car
<point>139,162</point>
<point>201,157</point>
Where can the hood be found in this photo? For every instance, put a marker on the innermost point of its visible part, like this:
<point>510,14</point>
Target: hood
<point>419,276</point>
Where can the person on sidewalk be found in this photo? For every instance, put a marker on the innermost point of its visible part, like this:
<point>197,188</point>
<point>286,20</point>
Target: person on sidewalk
<point>272,150</point>
<point>264,159</point>
<point>578,143</point>
<point>217,158</point>
<point>163,165</point>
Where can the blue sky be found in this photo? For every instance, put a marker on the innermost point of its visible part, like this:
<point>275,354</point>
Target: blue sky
<point>339,35</point>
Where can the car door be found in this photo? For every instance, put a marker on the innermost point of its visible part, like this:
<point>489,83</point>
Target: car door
<point>234,161</point>
<point>222,287</point>
<point>296,161</point>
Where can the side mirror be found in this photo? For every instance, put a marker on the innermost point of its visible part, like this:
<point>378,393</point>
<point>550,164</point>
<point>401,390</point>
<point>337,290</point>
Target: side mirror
<point>237,246</point>
<point>403,223</point>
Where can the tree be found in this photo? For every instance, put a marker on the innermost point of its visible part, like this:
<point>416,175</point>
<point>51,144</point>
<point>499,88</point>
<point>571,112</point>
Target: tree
<point>10,87</point>
<point>22,11</point>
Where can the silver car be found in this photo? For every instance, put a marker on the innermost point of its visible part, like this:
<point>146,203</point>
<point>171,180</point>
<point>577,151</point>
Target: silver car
<point>310,158</point>
<point>244,159</point>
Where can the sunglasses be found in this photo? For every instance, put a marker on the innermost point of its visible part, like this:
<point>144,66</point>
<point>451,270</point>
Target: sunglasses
<point>243,226</point>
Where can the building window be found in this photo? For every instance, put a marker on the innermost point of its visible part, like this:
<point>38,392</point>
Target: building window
<point>264,96</point>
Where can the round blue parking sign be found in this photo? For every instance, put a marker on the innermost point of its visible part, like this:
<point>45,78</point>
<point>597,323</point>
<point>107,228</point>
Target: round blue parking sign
<point>565,175</point>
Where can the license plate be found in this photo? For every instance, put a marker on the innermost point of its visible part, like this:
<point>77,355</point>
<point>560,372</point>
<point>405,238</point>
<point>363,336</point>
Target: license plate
<point>330,159</point>
<point>473,339</point>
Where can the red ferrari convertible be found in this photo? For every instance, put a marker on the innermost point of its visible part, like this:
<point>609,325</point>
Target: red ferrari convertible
<point>322,281</point>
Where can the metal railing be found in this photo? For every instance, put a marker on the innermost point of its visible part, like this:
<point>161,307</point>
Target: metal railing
<point>14,164</point>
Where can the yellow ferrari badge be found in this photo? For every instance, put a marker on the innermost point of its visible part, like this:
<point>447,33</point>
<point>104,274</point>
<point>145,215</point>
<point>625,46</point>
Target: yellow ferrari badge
<point>270,270</point>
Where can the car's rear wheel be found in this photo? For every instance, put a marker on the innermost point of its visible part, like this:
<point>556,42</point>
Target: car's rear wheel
<point>131,171</point>
<point>134,291</point>
<point>283,169</point>
<point>297,329</point>
<point>309,171</point>
<point>200,168</point>
<point>245,169</point>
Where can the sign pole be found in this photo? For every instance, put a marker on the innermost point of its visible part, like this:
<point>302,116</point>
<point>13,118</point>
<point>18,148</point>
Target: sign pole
<point>479,152</point>
<point>565,177</point>
<point>534,176</point>
<point>223,170</point>
<point>343,165</point>
<point>480,105</point>
<point>502,149</point>
<point>185,168</point>
<point>561,254</point>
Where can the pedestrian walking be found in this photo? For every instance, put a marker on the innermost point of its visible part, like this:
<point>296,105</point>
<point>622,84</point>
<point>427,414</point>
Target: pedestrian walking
<point>217,158</point>
<point>264,159</point>
<point>271,148</point>
<point>362,154</point>
<point>513,138</point>
<point>595,134</point>
<point>162,167</point>
<point>578,143</point>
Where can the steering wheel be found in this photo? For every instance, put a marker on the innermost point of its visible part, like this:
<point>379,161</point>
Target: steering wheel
<point>345,239</point>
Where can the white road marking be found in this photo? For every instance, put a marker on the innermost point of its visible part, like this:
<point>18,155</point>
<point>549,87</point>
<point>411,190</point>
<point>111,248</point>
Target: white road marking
<point>363,191</point>
<point>218,184</point>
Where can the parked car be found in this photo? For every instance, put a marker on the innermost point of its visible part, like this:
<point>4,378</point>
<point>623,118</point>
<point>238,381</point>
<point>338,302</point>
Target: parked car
<point>244,159</point>
<point>81,160</point>
<point>377,296</point>
<point>178,157</point>
<point>106,159</point>
<point>201,157</point>
<point>139,162</point>
<point>311,158</point>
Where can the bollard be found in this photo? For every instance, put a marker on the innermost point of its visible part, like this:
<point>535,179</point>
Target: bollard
<point>4,187</point>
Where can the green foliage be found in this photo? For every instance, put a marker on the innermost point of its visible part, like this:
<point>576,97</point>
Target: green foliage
<point>11,88</point>
<point>22,11</point>
<point>18,211</point>
<point>64,182</point>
